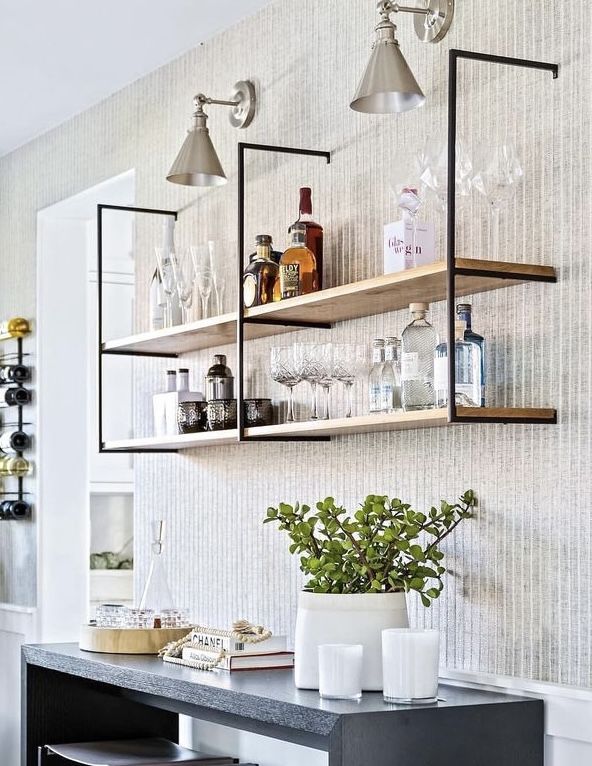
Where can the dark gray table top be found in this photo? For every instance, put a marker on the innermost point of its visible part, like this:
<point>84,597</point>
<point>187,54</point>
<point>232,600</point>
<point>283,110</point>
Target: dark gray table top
<point>268,696</point>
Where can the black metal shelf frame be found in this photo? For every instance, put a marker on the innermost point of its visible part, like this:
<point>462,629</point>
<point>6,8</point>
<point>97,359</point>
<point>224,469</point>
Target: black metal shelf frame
<point>124,209</point>
<point>242,320</point>
<point>452,269</point>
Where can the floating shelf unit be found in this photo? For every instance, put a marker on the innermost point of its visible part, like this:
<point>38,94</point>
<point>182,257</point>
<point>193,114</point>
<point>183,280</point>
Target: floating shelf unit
<point>440,281</point>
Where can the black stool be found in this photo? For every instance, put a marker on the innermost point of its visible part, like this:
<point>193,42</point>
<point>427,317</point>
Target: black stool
<point>129,752</point>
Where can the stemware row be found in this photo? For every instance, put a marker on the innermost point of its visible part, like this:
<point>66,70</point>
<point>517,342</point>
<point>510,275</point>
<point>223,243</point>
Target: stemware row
<point>321,365</point>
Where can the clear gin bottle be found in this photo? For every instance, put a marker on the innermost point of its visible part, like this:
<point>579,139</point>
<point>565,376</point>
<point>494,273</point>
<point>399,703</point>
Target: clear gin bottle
<point>419,341</point>
<point>375,376</point>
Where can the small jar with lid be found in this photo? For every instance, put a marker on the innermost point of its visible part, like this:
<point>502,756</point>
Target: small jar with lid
<point>219,380</point>
<point>261,275</point>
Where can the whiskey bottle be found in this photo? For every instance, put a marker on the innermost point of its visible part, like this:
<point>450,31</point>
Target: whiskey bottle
<point>14,466</point>
<point>14,509</point>
<point>15,373</point>
<point>14,328</point>
<point>261,275</point>
<point>12,441</point>
<point>314,231</point>
<point>14,396</point>
<point>298,266</point>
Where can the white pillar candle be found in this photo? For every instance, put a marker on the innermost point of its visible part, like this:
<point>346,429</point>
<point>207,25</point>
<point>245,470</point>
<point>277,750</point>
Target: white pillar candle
<point>340,671</point>
<point>410,660</point>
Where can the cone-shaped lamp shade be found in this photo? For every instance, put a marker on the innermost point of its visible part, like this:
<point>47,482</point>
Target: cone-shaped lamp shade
<point>197,163</point>
<point>388,84</point>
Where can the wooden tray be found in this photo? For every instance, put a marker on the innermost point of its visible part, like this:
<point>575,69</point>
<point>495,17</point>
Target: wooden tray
<point>128,640</point>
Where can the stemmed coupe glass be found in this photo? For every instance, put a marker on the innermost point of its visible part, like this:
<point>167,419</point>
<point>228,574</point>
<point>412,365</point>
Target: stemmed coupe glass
<point>283,371</point>
<point>498,170</point>
<point>309,366</point>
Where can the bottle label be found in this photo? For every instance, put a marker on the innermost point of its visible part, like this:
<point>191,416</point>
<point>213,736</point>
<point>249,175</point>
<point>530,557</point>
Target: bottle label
<point>410,366</point>
<point>290,280</point>
<point>387,396</point>
<point>249,290</point>
<point>441,373</point>
<point>375,398</point>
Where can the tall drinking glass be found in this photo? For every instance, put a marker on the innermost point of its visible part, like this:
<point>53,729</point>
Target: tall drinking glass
<point>309,366</point>
<point>184,274</point>
<point>167,279</point>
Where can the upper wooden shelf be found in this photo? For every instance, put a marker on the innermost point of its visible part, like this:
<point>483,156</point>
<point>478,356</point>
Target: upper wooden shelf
<point>389,292</point>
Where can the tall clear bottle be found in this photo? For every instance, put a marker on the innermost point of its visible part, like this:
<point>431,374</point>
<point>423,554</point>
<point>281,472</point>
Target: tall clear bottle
<point>464,313</point>
<point>467,371</point>
<point>390,382</point>
<point>418,346</point>
<point>375,376</point>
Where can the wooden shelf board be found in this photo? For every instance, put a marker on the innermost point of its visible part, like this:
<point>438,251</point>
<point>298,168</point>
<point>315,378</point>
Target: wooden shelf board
<point>389,292</point>
<point>397,421</point>
<point>183,441</point>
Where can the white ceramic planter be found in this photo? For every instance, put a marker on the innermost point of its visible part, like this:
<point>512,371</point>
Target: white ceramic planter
<point>327,618</point>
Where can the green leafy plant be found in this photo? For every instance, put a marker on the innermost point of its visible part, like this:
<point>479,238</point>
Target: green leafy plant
<point>385,547</point>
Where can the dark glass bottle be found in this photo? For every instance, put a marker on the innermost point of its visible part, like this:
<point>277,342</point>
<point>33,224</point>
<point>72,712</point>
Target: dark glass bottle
<point>14,441</point>
<point>11,397</point>
<point>261,275</point>
<point>15,373</point>
<point>14,509</point>
<point>314,232</point>
<point>464,313</point>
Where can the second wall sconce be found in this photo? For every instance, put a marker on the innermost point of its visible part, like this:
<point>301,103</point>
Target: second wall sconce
<point>197,163</point>
<point>388,84</point>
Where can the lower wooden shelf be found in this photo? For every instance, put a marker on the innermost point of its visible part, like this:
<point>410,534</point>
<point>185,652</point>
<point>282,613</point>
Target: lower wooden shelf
<point>398,421</point>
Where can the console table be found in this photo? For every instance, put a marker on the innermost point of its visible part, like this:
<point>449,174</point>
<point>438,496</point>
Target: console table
<point>69,695</point>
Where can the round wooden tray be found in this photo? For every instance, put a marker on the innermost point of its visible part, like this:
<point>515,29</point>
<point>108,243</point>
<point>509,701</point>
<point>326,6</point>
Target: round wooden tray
<point>128,640</point>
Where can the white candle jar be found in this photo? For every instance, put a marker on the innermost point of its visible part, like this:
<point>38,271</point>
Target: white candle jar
<point>410,660</point>
<point>340,671</point>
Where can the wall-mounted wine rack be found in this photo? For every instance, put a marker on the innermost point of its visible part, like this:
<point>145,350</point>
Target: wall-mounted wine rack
<point>15,504</point>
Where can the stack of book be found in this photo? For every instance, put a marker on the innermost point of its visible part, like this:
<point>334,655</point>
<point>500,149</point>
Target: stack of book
<point>239,655</point>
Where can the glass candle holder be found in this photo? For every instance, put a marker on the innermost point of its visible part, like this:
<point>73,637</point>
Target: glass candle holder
<point>410,660</point>
<point>340,671</point>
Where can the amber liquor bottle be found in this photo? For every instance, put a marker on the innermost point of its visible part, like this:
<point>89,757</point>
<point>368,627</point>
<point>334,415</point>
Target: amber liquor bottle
<point>261,275</point>
<point>298,266</point>
<point>314,231</point>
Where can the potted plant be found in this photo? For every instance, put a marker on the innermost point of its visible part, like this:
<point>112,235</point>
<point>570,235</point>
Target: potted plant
<point>359,569</point>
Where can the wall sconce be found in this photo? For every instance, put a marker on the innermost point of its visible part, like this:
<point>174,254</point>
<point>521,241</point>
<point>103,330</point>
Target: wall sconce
<point>197,163</point>
<point>388,84</point>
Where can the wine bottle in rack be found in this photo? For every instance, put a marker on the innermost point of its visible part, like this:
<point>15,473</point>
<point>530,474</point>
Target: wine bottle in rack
<point>15,373</point>
<point>13,440</point>
<point>14,509</point>
<point>14,396</point>
<point>14,466</point>
<point>17,327</point>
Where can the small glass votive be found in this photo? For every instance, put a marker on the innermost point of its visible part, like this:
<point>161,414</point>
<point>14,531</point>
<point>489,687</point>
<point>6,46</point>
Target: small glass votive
<point>340,671</point>
<point>410,660</point>
<point>175,618</point>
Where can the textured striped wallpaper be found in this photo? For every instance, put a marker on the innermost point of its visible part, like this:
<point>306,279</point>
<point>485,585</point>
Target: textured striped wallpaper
<point>519,600</point>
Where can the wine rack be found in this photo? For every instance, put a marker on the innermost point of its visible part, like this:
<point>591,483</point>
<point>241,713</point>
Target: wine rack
<point>18,423</point>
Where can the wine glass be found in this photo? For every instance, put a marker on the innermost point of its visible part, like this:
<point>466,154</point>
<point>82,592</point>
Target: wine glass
<point>308,362</point>
<point>432,160</point>
<point>349,360</point>
<point>202,256</point>
<point>498,170</point>
<point>184,275</point>
<point>327,377</point>
<point>167,279</point>
<point>205,282</point>
<point>283,371</point>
